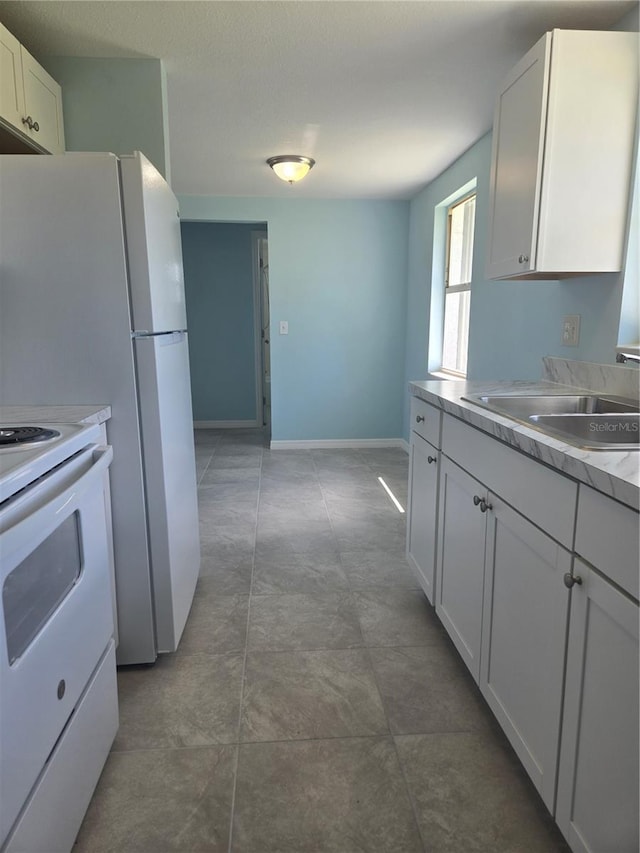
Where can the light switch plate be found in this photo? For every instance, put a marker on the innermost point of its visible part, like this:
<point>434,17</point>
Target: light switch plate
<point>571,330</point>
<point>284,327</point>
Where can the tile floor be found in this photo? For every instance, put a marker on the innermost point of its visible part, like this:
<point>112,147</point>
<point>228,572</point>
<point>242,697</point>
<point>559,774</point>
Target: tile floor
<point>315,703</point>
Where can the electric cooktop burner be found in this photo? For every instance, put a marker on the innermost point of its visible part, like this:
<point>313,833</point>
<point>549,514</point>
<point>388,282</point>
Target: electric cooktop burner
<point>11,436</point>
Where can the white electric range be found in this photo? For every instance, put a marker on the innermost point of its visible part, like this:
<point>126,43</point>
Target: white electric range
<point>58,703</point>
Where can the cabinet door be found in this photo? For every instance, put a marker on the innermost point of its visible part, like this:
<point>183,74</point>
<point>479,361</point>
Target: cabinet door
<point>460,574</point>
<point>43,102</point>
<point>516,165</point>
<point>422,520</point>
<point>526,607</point>
<point>597,808</point>
<point>11,88</point>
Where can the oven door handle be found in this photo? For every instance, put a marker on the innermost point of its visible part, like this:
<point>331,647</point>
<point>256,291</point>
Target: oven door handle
<point>40,511</point>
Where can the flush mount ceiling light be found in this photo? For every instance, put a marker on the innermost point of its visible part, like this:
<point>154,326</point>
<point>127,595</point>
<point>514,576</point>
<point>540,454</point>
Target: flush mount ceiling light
<point>291,167</point>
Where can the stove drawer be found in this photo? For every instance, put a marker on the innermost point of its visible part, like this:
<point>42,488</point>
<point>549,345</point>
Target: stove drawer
<point>55,620</point>
<point>55,810</point>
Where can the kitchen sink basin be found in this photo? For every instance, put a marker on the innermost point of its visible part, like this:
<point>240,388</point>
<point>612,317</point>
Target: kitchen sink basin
<point>522,406</point>
<point>594,432</point>
<point>590,421</point>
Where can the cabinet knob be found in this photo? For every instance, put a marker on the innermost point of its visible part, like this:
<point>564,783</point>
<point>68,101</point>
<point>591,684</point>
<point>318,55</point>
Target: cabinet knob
<point>522,259</point>
<point>35,126</point>
<point>476,500</point>
<point>484,506</point>
<point>419,419</point>
<point>28,121</point>
<point>431,459</point>
<point>570,580</point>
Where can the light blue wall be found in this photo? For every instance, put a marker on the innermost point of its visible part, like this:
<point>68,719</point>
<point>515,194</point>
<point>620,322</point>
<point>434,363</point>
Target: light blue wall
<point>218,277</point>
<point>113,105</point>
<point>513,324</point>
<point>337,273</point>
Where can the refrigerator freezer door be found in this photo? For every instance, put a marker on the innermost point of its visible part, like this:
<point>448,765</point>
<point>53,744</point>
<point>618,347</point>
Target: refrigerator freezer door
<point>168,454</point>
<point>154,248</point>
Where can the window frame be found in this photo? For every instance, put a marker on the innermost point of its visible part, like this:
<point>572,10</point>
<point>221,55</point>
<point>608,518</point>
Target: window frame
<point>455,288</point>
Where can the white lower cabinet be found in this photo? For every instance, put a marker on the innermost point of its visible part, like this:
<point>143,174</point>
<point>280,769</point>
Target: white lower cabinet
<point>597,806</point>
<point>526,605</point>
<point>553,648</point>
<point>460,574</point>
<point>422,523</point>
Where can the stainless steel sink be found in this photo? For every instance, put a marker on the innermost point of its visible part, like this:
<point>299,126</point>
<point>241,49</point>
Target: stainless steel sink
<point>523,405</point>
<point>589,421</point>
<point>595,432</point>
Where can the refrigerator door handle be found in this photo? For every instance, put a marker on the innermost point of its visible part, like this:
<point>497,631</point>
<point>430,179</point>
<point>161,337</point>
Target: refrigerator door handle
<point>144,334</point>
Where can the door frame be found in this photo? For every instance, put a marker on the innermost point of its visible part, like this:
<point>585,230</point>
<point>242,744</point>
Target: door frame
<point>256,236</point>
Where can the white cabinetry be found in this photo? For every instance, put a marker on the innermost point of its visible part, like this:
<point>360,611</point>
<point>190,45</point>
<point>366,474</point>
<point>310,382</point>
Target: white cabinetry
<point>527,558</point>
<point>423,494</point>
<point>524,626</point>
<point>460,575</point>
<point>30,99</point>
<point>563,140</point>
<point>597,807</point>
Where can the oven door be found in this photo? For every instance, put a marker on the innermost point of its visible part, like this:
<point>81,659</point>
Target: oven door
<point>55,616</point>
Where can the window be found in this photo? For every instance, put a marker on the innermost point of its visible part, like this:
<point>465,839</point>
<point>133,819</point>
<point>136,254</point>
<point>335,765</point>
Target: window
<point>458,262</point>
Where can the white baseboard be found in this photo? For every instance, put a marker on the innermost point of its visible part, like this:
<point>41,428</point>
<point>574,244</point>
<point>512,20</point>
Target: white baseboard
<point>405,446</point>
<point>339,444</point>
<point>225,424</point>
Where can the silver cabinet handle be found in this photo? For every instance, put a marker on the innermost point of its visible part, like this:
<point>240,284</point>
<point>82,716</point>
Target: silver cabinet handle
<point>570,580</point>
<point>522,259</point>
<point>419,419</point>
<point>431,459</point>
<point>31,124</point>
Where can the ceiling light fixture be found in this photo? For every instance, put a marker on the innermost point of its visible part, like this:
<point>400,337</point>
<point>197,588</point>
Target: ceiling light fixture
<point>291,167</point>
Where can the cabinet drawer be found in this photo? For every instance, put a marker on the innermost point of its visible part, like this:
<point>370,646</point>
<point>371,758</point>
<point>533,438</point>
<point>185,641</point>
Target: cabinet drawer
<point>545,497</point>
<point>607,537</point>
<point>425,420</point>
<point>57,805</point>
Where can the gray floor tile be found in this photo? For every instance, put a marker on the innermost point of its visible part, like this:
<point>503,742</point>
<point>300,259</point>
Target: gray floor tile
<point>225,569</point>
<point>213,476</point>
<point>302,695</point>
<point>216,624</point>
<point>277,512</point>
<point>321,621</point>
<point>183,700</point>
<point>239,533</point>
<point>156,801</point>
<point>278,572</point>
<point>391,616</point>
<point>377,567</point>
<point>249,459</point>
<point>227,514</point>
<point>323,796</point>
<point>297,538</point>
<point>232,493</point>
<point>472,795</point>
<point>428,689</point>
<point>386,533</point>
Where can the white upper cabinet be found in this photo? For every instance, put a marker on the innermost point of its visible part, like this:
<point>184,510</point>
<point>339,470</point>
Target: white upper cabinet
<point>563,139</point>
<point>30,99</point>
<point>11,86</point>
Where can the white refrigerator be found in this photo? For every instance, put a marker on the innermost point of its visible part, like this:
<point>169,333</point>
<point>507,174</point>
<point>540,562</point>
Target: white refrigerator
<point>92,311</point>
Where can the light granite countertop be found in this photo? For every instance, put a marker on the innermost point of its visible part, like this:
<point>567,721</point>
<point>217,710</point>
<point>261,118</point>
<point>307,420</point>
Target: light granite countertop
<point>89,414</point>
<point>615,473</point>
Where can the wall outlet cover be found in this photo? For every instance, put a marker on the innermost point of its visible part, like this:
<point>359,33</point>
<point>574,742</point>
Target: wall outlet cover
<point>571,330</point>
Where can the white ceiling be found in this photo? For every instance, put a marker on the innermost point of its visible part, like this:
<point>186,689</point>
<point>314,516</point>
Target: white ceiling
<point>384,94</point>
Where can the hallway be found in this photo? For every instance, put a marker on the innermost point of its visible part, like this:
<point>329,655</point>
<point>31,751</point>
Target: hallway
<point>316,704</point>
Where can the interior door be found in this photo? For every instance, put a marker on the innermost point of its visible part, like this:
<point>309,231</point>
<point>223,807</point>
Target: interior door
<point>263,259</point>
